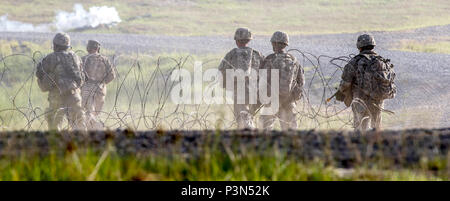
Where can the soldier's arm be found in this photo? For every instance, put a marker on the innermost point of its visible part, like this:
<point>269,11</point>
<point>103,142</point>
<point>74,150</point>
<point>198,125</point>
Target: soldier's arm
<point>39,70</point>
<point>84,66</point>
<point>45,67</point>
<point>83,59</point>
<point>299,82</point>
<point>79,64</point>
<point>348,76</point>
<point>300,75</point>
<point>261,64</point>
<point>267,65</point>
<point>48,64</point>
<point>110,74</point>
<point>224,65</point>
<point>260,57</point>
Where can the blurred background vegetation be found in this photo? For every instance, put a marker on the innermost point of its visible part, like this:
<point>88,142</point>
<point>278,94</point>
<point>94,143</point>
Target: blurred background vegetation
<point>211,17</point>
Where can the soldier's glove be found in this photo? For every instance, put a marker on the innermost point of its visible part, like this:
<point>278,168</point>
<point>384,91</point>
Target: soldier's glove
<point>39,71</point>
<point>340,96</point>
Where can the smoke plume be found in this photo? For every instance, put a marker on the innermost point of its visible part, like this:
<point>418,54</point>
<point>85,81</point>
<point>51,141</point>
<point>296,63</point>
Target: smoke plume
<point>65,21</point>
<point>9,25</point>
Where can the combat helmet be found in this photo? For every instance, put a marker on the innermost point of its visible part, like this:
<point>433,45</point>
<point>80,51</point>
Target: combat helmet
<point>62,39</point>
<point>243,33</point>
<point>280,37</point>
<point>365,40</point>
<point>93,44</point>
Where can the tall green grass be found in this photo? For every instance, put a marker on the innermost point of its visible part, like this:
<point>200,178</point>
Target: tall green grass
<point>211,164</point>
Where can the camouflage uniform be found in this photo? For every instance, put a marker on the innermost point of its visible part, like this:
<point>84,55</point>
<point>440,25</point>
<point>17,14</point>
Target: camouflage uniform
<point>59,73</point>
<point>364,107</point>
<point>244,58</point>
<point>99,72</point>
<point>291,77</point>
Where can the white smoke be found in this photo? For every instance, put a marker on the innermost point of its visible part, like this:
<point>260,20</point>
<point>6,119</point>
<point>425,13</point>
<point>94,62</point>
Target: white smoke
<point>64,21</point>
<point>80,18</point>
<point>9,25</point>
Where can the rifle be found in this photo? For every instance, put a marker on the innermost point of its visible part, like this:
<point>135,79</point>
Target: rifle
<point>342,97</point>
<point>329,99</point>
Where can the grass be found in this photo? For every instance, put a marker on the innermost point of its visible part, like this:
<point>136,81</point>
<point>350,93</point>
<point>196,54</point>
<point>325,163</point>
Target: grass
<point>114,167</point>
<point>211,164</point>
<point>206,17</point>
<point>440,45</point>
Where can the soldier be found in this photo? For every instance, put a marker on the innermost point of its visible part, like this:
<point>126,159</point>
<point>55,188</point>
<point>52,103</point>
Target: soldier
<point>367,80</point>
<point>99,73</point>
<point>60,74</point>
<point>291,81</point>
<point>244,58</point>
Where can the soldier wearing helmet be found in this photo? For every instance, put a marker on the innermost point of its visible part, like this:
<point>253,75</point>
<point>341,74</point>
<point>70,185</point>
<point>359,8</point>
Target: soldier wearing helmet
<point>291,81</point>
<point>99,73</point>
<point>60,74</point>
<point>280,37</point>
<point>365,41</point>
<point>359,88</point>
<point>241,59</point>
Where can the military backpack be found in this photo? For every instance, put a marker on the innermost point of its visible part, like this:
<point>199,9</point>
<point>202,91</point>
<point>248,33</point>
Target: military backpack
<point>288,70</point>
<point>65,76</point>
<point>376,77</point>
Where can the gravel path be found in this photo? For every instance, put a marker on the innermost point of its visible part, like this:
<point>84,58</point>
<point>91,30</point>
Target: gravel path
<point>422,78</point>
